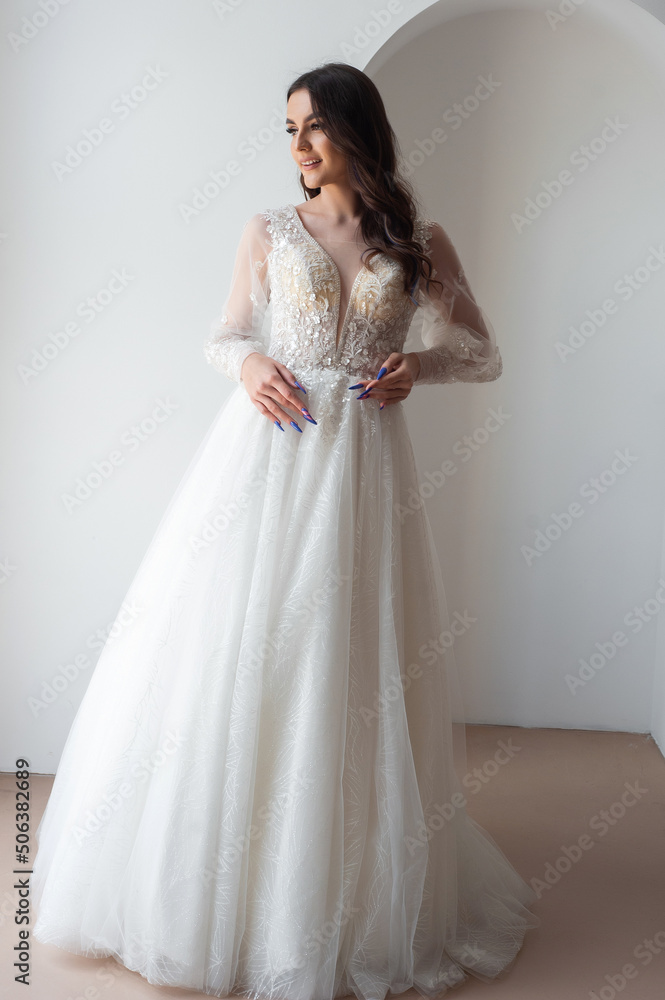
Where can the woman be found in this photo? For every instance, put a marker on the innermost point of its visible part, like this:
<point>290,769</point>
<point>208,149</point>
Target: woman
<point>259,794</point>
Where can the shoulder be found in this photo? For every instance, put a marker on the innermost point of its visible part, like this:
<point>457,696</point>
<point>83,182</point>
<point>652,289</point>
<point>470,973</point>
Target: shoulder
<point>270,223</point>
<point>257,223</point>
<point>264,227</point>
<point>437,241</point>
<point>429,229</point>
<point>281,212</point>
<point>423,230</point>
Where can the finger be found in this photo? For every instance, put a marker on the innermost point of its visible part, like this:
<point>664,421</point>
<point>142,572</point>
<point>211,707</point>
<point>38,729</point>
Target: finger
<point>392,369</point>
<point>290,378</point>
<point>274,415</point>
<point>286,399</point>
<point>277,415</point>
<point>396,381</point>
<point>283,415</point>
<point>287,404</point>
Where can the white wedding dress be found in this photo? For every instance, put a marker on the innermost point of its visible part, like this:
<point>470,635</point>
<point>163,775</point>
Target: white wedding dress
<point>259,791</point>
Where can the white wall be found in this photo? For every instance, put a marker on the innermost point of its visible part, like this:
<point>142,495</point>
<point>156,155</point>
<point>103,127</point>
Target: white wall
<point>220,72</point>
<point>553,86</point>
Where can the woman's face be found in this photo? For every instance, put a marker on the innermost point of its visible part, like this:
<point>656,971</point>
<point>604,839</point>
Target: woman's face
<point>310,143</point>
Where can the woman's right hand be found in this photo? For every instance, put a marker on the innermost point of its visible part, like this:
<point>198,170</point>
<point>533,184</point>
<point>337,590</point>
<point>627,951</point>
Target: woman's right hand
<point>271,387</point>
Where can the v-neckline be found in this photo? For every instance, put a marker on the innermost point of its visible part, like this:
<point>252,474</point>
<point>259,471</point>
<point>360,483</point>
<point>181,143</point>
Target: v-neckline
<point>339,333</point>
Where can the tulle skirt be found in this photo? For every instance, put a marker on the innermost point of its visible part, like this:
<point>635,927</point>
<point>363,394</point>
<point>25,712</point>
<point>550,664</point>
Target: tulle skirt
<point>260,792</point>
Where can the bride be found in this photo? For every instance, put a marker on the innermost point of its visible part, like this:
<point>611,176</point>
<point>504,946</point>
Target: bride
<point>261,792</point>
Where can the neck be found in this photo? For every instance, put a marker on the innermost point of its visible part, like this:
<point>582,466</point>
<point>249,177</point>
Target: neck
<point>339,203</point>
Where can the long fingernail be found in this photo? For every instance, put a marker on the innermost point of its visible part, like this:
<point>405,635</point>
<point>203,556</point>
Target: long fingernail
<point>359,386</point>
<point>278,424</point>
<point>308,415</point>
<point>381,405</point>
<point>363,394</point>
<point>294,424</point>
<point>382,373</point>
<point>300,386</point>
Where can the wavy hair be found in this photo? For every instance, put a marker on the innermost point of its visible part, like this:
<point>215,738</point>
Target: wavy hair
<point>352,115</point>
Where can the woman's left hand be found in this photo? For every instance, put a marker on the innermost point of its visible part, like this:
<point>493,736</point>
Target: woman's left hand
<point>396,384</point>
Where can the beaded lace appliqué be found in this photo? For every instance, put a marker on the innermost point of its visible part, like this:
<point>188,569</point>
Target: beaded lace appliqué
<point>305,298</point>
<point>305,293</point>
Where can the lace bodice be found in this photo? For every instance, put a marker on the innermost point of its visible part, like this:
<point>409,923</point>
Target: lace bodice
<point>286,294</point>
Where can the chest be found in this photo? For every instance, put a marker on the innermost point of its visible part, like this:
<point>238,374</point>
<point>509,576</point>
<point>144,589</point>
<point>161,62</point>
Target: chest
<point>305,277</point>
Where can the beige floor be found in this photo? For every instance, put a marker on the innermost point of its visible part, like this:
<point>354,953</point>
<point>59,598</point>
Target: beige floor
<point>594,917</point>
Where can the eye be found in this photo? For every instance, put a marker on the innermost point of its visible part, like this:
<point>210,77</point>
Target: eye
<point>292,129</point>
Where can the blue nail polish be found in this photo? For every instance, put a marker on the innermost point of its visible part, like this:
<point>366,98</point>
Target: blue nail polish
<point>363,394</point>
<point>382,373</point>
<point>294,424</point>
<point>307,415</point>
<point>278,424</point>
<point>300,386</point>
<point>359,386</point>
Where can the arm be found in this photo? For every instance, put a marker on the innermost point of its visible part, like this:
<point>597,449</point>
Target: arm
<point>238,332</point>
<point>460,340</point>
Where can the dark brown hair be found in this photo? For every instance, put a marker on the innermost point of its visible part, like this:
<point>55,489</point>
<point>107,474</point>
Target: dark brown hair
<point>352,115</point>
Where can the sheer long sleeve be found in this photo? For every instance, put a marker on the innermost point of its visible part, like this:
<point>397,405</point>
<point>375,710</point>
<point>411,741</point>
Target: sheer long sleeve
<point>240,330</point>
<point>460,340</point>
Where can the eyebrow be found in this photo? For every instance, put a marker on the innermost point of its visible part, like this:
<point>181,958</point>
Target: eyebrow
<point>289,121</point>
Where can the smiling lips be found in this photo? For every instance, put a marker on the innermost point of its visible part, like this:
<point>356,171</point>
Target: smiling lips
<point>308,164</point>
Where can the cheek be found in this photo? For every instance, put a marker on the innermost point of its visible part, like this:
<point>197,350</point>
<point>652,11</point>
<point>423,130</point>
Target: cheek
<point>331,153</point>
